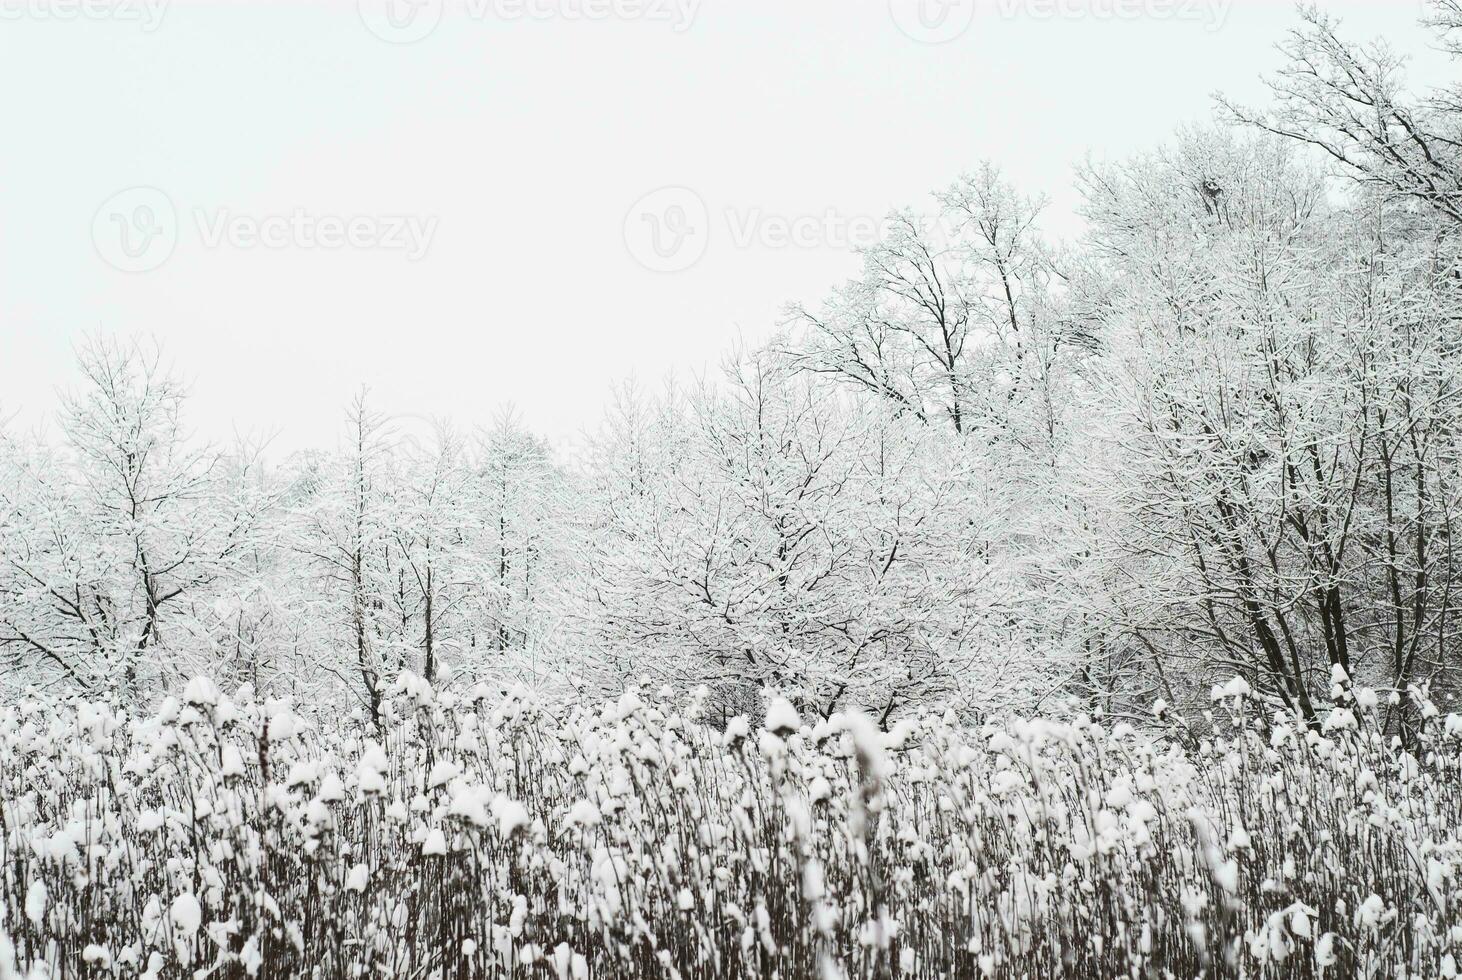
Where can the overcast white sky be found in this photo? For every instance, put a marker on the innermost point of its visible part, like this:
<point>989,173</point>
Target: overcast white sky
<point>495,165</point>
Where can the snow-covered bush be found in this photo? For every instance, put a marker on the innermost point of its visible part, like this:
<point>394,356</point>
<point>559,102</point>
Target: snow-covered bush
<point>477,837</point>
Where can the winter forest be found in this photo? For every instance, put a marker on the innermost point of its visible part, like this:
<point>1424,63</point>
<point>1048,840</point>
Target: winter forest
<point>1024,608</point>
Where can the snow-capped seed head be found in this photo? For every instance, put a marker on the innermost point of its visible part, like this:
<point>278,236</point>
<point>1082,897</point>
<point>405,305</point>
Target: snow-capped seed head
<point>375,757</point>
<point>370,781</point>
<point>231,762</point>
<point>467,805</point>
<point>1235,688</point>
<point>303,772</point>
<point>186,914</point>
<point>282,725</point>
<point>737,729</point>
<point>35,903</point>
<point>443,772</point>
<point>332,790</point>
<point>201,692</point>
<point>583,813</point>
<point>782,718</point>
<point>512,816</point>
<point>629,703</point>
<point>357,878</point>
<point>1325,950</point>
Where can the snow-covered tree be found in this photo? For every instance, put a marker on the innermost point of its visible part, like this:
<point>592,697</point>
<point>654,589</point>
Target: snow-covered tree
<point>118,535</point>
<point>772,529</point>
<point>1280,395</point>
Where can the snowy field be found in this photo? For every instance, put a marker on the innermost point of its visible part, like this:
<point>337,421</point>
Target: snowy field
<point>487,837</point>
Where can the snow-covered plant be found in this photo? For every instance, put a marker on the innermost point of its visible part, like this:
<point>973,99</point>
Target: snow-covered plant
<point>484,836</point>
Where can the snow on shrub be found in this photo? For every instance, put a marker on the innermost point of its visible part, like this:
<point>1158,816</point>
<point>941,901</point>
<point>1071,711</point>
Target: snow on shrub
<point>225,836</point>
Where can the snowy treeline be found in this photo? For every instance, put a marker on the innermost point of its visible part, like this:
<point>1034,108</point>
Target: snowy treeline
<point>1216,435</point>
<point>471,837</point>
